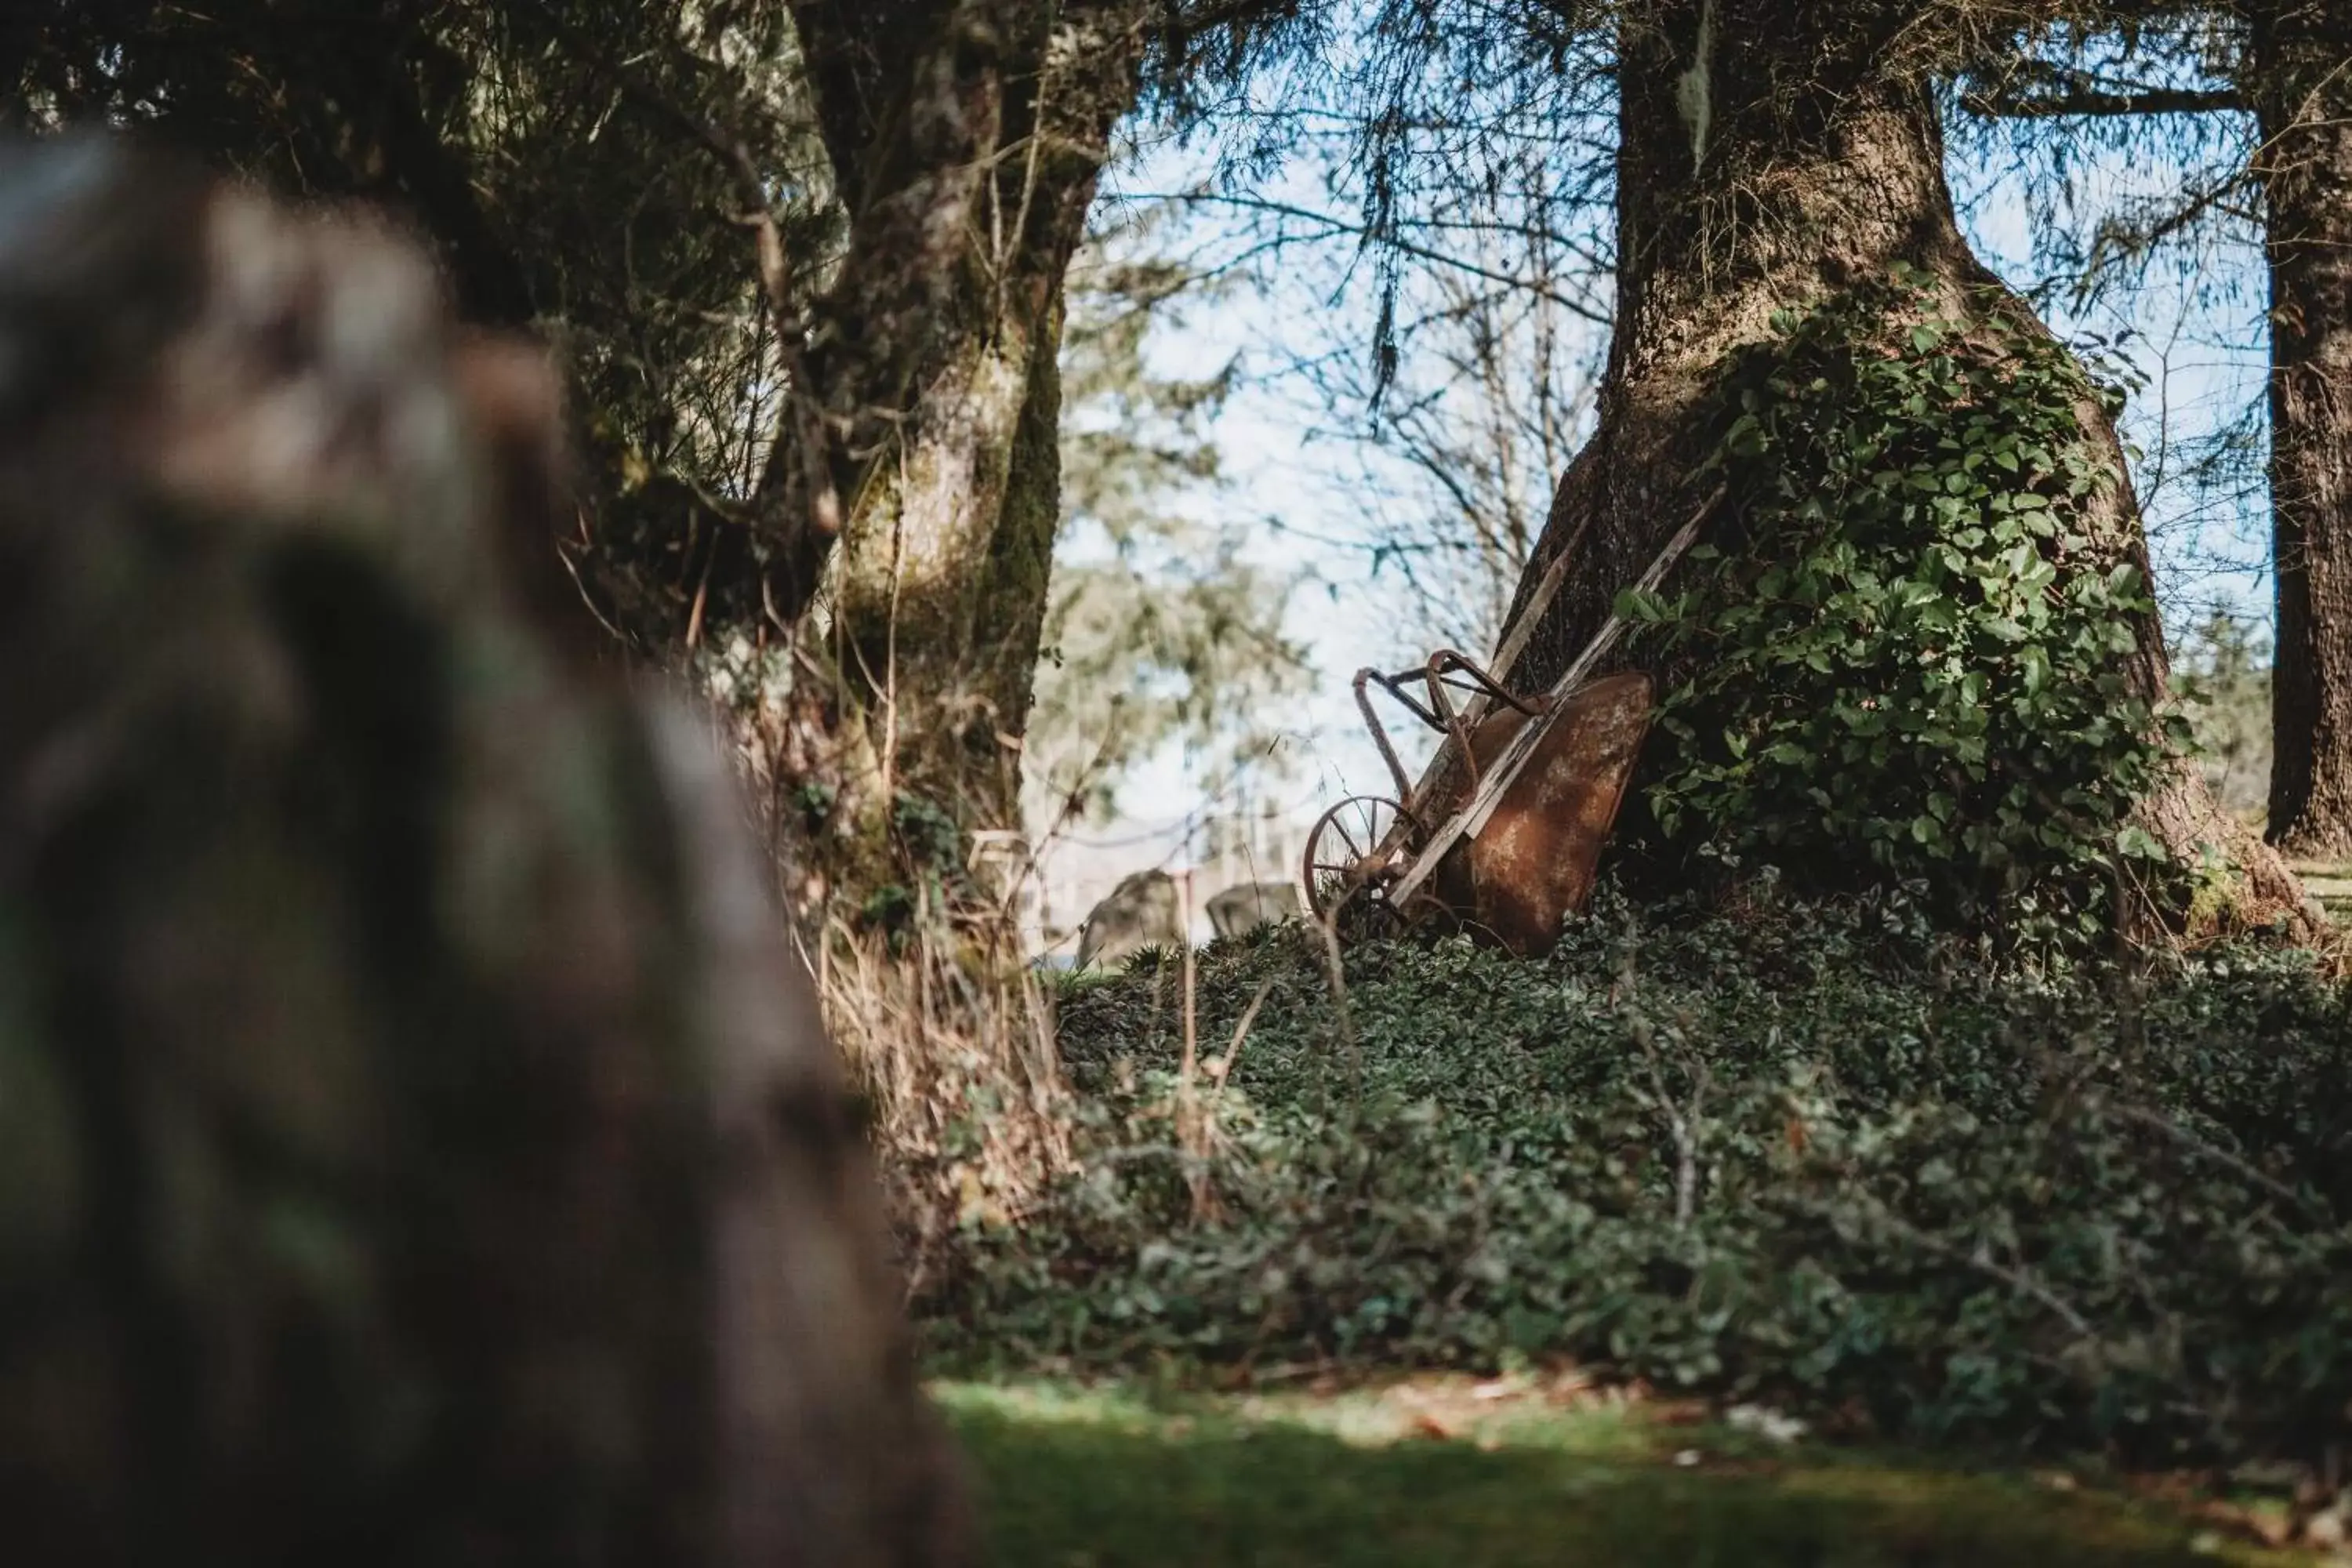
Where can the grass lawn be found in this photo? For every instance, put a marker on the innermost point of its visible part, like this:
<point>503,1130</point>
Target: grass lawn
<point>1441,1473</point>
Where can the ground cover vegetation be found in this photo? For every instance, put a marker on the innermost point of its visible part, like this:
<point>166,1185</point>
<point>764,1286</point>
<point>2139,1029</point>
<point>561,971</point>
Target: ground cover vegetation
<point>1798,1153</point>
<point>1872,1106</point>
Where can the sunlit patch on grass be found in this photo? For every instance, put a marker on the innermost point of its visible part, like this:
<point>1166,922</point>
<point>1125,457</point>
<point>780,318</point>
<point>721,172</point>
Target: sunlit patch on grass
<point>1464,1472</point>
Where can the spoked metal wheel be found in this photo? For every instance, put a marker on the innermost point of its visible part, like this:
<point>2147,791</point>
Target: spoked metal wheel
<point>1355,852</point>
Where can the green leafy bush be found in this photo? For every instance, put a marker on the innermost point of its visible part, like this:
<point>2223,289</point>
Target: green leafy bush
<point>1760,1158</point>
<point>1912,660</point>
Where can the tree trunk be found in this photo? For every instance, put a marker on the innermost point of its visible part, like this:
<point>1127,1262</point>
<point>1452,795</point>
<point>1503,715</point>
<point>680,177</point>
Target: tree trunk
<point>2301,79</point>
<point>965,137</point>
<point>1774,154</point>
<point>941,470</point>
<point>418,1142</point>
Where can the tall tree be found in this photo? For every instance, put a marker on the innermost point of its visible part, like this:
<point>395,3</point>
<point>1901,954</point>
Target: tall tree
<point>774,354</point>
<point>966,139</point>
<point>2285,68</point>
<point>1782,157</point>
<point>601,171</point>
<point>2298,77</point>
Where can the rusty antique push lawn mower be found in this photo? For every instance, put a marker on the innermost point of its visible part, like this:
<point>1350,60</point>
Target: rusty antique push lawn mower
<point>1534,797</point>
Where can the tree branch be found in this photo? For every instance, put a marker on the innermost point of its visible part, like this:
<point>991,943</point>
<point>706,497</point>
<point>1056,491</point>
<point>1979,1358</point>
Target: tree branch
<point>2088,102</point>
<point>2044,89</point>
<point>1332,226</point>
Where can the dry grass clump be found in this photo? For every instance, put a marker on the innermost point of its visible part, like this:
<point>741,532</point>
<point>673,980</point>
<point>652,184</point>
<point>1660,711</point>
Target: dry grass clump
<point>951,1037</point>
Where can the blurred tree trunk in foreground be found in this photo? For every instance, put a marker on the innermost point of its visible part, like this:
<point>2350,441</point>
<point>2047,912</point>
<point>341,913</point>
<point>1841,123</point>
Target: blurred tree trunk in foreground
<point>417,1145</point>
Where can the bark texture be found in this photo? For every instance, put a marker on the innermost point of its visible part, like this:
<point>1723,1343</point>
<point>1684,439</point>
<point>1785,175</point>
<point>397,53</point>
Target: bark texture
<point>1771,156</point>
<point>2301,78</point>
<point>975,153</point>
<point>620,174</point>
<point>418,1143</point>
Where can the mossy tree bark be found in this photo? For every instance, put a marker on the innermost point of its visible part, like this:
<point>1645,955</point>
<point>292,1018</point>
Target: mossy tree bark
<point>913,474</point>
<point>1775,153</point>
<point>2300,81</point>
<point>969,164</point>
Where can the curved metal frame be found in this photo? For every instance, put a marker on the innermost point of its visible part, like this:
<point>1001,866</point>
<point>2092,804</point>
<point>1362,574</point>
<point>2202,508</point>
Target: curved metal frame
<point>1447,670</point>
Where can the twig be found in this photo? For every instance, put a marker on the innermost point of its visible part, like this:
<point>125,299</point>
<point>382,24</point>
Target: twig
<point>2213,1151</point>
<point>701,599</point>
<point>1191,1123</point>
<point>1335,976</point>
<point>1241,1032</point>
<point>2017,1279</point>
<point>1333,224</point>
<point>1683,1123</point>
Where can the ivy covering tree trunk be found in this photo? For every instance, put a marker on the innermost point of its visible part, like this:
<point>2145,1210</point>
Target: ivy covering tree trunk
<point>2300,79</point>
<point>1926,652</point>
